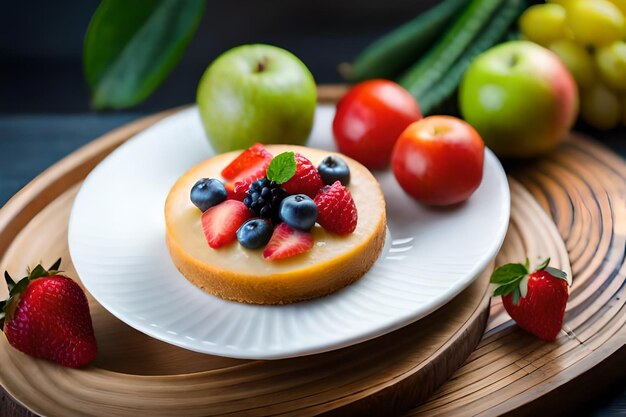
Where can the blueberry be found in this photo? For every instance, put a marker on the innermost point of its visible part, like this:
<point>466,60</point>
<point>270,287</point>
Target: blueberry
<point>334,169</point>
<point>207,192</point>
<point>298,211</point>
<point>255,233</point>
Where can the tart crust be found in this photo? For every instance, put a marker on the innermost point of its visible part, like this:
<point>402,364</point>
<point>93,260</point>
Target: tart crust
<point>239,274</point>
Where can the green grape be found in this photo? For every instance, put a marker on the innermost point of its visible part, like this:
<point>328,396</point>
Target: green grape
<point>543,23</point>
<point>577,60</point>
<point>611,64</point>
<point>600,107</point>
<point>595,22</point>
<point>621,5</point>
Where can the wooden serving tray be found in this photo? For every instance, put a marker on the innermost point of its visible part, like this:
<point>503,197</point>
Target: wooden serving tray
<point>581,186</point>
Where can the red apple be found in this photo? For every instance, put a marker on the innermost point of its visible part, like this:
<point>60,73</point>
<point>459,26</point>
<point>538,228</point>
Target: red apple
<point>439,160</point>
<point>369,119</point>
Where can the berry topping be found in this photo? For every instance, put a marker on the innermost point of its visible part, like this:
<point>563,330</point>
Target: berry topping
<point>220,222</point>
<point>247,163</point>
<point>306,180</point>
<point>332,169</point>
<point>248,167</point>
<point>207,192</point>
<point>264,198</point>
<point>287,242</point>
<point>47,316</point>
<point>254,233</point>
<point>299,212</point>
<point>336,209</point>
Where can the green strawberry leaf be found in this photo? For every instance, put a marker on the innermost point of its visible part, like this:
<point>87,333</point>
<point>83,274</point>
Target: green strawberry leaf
<point>557,273</point>
<point>527,264</point>
<point>282,168</point>
<point>38,272</point>
<point>55,266</point>
<point>543,265</point>
<point>19,287</point>
<point>516,295</point>
<point>508,273</point>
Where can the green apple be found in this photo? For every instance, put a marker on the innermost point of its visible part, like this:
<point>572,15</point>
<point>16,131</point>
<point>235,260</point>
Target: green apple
<point>256,93</point>
<point>520,97</point>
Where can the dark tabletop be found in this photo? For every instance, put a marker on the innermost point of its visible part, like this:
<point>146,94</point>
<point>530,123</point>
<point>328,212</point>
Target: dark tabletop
<point>44,111</point>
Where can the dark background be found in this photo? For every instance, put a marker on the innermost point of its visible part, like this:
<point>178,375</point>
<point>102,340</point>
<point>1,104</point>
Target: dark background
<point>44,101</point>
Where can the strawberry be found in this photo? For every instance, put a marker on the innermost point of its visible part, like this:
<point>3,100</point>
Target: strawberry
<point>286,242</point>
<point>536,301</point>
<point>248,167</point>
<point>47,316</point>
<point>220,222</point>
<point>306,180</point>
<point>336,209</point>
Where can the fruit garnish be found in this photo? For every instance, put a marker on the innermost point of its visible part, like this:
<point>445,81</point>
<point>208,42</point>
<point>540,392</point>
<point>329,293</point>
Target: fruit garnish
<point>306,179</point>
<point>255,233</point>
<point>535,300</point>
<point>220,222</point>
<point>248,167</point>
<point>337,212</point>
<point>47,316</point>
<point>247,163</point>
<point>333,168</point>
<point>264,198</point>
<point>207,192</point>
<point>282,168</point>
<point>287,242</point>
<point>299,211</point>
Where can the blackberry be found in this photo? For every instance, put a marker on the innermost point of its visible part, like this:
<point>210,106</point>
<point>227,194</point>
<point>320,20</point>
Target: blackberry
<point>264,198</point>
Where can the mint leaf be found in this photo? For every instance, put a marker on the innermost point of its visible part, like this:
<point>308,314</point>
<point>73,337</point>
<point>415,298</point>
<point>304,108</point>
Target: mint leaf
<point>507,273</point>
<point>282,168</point>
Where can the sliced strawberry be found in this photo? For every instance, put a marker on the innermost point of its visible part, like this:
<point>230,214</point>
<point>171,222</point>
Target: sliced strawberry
<point>306,180</point>
<point>248,163</point>
<point>337,212</point>
<point>238,190</point>
<point>286,242</point>
<point>220,223</point>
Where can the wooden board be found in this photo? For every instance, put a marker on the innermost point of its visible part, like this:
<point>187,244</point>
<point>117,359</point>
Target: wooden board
<point>136,373</point>
<point>581,186</point>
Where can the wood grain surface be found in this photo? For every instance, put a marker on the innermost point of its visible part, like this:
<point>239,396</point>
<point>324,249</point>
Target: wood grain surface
<point>576,208</point>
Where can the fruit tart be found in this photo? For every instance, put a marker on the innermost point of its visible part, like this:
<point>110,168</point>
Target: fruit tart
<point>275,224</point>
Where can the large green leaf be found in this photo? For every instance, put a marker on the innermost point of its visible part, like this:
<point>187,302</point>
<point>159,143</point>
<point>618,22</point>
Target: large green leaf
<point>131,46</point>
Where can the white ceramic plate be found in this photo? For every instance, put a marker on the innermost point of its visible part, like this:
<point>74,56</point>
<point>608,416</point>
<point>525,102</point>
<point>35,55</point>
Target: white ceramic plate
<point>117,244</point>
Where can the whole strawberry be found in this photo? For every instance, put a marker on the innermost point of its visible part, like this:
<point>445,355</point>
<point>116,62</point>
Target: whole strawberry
<point>535,300</point>
<point>47,316</point>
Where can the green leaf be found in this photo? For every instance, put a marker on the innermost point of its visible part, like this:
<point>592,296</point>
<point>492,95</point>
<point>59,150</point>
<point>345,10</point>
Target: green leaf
<point>527,264</point>
<point>516,296</point>
<point>556,272</point>
<point>507,273</point>
<point>38,272</point>
<point>55,266</point>
<point>131,47</point>
<point>20,286</point>
<point>543,265</point>
<point>506,289</point>
<point>282,167</point>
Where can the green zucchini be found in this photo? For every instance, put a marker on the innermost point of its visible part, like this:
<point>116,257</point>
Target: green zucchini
<point>390,55</point>
<point>493,33</point>
<point>430,69</point>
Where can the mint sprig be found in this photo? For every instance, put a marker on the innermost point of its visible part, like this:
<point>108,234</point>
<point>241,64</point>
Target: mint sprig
<point>513,278</point>
<point>282,168</point>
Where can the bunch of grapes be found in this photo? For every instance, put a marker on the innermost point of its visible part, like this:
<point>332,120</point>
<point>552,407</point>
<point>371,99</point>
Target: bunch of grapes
<point>590,38</point>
